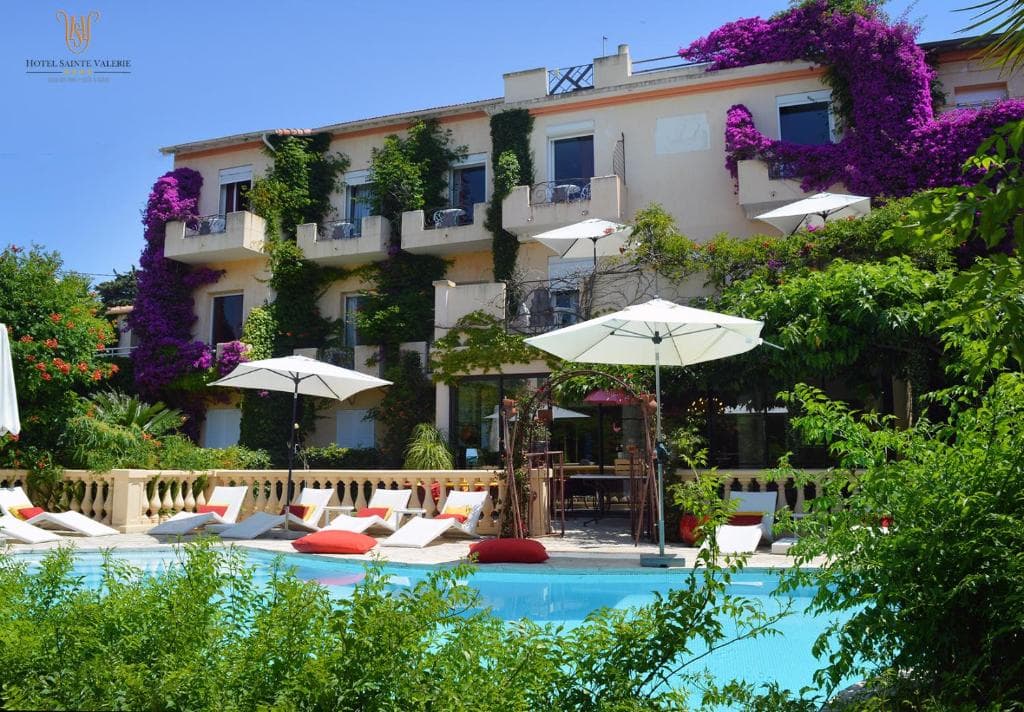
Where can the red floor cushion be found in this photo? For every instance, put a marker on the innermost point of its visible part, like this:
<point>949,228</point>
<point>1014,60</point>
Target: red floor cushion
<point>335,542</point>
<point>509,551</point>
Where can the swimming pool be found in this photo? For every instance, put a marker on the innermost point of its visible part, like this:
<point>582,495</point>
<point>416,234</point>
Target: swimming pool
<point>559,596</point>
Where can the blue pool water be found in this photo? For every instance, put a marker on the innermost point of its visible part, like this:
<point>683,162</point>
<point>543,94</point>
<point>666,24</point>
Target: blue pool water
<point>564,597</point>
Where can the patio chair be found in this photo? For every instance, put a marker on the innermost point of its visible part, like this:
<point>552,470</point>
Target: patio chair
<point>394,501</point>
<point>420,531</point>
<point>764,502</point>
<point>13,528</point>
<point>737,539</point>
<point>304,514</point>
<point>13,499</point>
<point>223,507</point>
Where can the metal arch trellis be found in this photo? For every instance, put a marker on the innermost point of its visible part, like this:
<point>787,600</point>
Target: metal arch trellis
<point>515,438</point>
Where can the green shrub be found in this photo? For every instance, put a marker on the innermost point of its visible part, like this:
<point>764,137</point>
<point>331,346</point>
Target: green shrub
<point>202,635</point>
<point>428,449</point>
<point>335,457</point>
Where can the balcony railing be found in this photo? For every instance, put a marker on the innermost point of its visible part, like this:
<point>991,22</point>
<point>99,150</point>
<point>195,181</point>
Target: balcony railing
<point>569,190</point>
<point>782,170</point>
<point>568,79</point>
<point>449,217</point>
<point>206,225</point>
<point>339,230</point>
<point>114,351</point>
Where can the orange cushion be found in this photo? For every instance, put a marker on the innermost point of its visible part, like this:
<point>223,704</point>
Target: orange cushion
<point>382,512</point>
<point>516,551</point>
<point>451,515</point>
<point>219,509</point>
<point>26,512</point>
<point>333,541</point>
<point>302,511</point>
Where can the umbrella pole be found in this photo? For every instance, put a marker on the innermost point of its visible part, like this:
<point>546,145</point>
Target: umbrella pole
<point>291,453</point>
<point>657,448</point>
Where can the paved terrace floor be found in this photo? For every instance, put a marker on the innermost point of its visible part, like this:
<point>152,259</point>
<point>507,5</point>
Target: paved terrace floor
<point>606,543</point>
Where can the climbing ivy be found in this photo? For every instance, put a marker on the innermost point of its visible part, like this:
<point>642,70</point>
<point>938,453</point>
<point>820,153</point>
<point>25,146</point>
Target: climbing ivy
<point>400,299</point>
<point>513,165</point>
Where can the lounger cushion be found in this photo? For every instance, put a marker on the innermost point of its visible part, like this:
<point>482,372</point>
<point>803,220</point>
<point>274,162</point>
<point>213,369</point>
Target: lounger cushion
<point>335,541</point>
<point>382,512</point>
<point>512,551</point>
<point>26,513</point>
<point>743,519</point>
<point>219,509</point>
<point>302,511</point>
<point>453,512</point>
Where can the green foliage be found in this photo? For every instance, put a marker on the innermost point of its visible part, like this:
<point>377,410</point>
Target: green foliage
<point>259,332</point>
<point>411,172</point>
<point>128,411</point>
<point>982,221</point>
<point>204,635</point>
<point>298,284</point>
<point>935,599</point>
<point>334,457</point>
<point>399,303</point>
<point>55,333</point>
<point>406,401</point>
<point>479,341</point>
<point>428,449</point>
<point>298,185</point>
<point>513,165</point>
<point>119,291</point>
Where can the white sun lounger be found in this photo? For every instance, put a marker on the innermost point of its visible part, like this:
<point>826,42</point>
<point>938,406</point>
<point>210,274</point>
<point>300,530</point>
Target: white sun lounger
<point>262,522</point>
<point>738,539</point>
<point>15,497</point>
<point>764,502</point>
<point>395,500</point>
<point>184,522</point>
<point>14,528</point>
<point>419,532</point>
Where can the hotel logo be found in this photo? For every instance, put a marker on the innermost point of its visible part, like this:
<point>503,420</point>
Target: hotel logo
<point>77,29</point>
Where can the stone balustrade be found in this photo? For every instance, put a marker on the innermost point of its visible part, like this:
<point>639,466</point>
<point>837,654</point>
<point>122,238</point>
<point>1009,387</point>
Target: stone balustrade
<point>790,495</point>
<point>135,500</point>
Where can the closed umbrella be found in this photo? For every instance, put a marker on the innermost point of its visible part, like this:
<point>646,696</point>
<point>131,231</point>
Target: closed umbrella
<point>653,333</point>
<point>9,421</point>
<point>299,375</point>
<point>585,238</point>
<point>790,217</point>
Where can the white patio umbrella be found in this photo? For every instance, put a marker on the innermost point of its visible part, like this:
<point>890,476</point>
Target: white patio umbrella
<point>790,217</point>
<point>295,375</point>
<point>654,333</point>
<point>9,421</point>
<point>557,413</point>
<point>593,236</point>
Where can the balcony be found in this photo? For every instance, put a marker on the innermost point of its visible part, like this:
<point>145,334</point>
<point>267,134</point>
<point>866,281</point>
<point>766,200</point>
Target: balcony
<point>529,210</point>
<point>340,243</point>
<point>215,238</point>
<point>446,231</point>
<point>764,186</point>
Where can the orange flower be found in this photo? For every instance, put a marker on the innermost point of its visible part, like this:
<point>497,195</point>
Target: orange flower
<point>114,368</point>
<point>83,366</point>
<point>97,375</point>
<point>26,339</point>
<point>55,318</point>
<point>101,347</point>
<point>51,343</point>
<point>47,377</point>
<point>69,324</point>
<point>41,366</point>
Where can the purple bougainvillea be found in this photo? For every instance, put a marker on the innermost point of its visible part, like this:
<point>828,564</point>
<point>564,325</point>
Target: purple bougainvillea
<point>231,354</point>
<point>893,144</point>
<point>164,310</point>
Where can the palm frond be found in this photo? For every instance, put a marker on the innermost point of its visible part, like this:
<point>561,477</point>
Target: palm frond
<point>1002,22</point>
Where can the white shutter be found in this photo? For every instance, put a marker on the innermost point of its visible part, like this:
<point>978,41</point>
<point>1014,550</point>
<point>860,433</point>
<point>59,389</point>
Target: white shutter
<point>238,174</point>
<point>353,431</point>
<point>223,427</point>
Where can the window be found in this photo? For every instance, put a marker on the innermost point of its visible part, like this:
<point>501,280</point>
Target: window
<point>227,318</point>
<point>234,189</point>
<point>353,430</point>
<point>573,161</point>
<point>351,304</point>
<point>469,187</point>
<point>806,118</point>
<point>357,206</point>
<point>223,427</point>
<point>980,94</point>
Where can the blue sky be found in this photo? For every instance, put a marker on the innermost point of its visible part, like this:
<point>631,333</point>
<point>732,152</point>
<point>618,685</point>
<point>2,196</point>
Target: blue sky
<point>77,159</point>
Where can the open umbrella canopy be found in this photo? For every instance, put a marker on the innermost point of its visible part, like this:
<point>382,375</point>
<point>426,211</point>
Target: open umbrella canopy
<point>655,331</point>
<point>593,237</point>
<point>613,397</point>
<point>557,413</point>
<point>790,217</point>
<point>9,421</point>
<point>301,374</point>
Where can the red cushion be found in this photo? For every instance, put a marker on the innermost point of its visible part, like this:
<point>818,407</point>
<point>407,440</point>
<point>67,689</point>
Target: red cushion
<point>516,551</point>
<point>300,510</point>
<point>28,512</point>
<point>219,509</point>
<point>381,512</point>
<point>461,517</point>
<point>335,542</point>
<point>745,520</point>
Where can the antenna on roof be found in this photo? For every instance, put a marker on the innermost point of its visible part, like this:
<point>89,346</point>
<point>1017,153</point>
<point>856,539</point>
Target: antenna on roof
<point>604,41</point>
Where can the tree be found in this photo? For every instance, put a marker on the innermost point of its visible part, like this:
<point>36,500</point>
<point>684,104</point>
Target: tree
<point>57,341</point>
<point>119,291</point>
